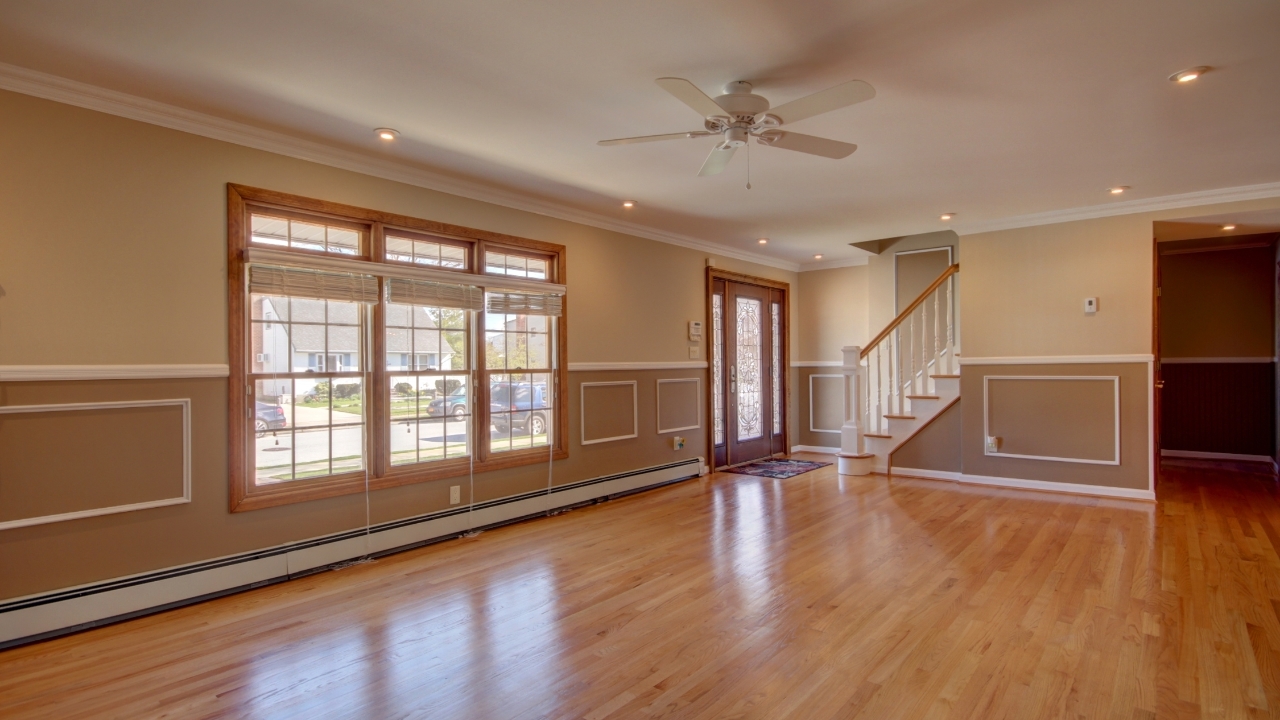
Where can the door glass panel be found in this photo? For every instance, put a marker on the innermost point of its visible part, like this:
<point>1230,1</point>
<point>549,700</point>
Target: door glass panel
<point>717,365</point>
<point>776,369</point>
<point>750,370</point>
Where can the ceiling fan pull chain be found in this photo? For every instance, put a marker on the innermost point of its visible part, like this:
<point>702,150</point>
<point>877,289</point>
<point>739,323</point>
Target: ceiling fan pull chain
<point>748,165</point>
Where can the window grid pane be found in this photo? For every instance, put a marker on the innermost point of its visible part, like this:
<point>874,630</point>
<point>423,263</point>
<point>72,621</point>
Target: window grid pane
<point>304,235</point>
<point>430,411</point>
<point>517,351</point>
<point>425,252</point>
<point>313,426</point>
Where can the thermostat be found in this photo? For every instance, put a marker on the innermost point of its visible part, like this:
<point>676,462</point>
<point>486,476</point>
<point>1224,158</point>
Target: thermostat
<point>695,331</point>
<point>1090,306</point>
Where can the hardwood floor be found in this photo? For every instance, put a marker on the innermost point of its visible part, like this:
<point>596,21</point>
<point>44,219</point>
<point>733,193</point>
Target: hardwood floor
<point>737,596</point>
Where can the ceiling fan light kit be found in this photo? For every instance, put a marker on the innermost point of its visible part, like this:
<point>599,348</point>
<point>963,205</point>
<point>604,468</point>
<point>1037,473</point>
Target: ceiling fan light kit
<point>739,115</point>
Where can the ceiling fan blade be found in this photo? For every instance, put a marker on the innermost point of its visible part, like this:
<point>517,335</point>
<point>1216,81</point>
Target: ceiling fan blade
<point>843,95</point>
<point>810,144</point>
<point>716,161</point>
<point>689,94</point>
<point>653,138</point>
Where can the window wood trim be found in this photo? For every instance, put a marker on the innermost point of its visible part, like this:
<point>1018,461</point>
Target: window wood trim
<point>244,493</point>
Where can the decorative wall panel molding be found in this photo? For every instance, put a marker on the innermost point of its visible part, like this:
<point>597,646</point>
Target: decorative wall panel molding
<point>682,413</point>
<point>185,497</point>
<point>1040,412</point>
<point>814,394</point>
<point>600,415</point>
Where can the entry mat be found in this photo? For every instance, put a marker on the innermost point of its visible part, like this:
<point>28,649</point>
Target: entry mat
<point>780,469</point>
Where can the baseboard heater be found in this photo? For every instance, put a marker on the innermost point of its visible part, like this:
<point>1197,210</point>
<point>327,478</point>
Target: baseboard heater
<point>60,612</point>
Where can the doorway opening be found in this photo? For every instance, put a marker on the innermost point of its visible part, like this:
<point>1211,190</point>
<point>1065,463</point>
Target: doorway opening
<point>1216,337</point>
<point>747,318</point>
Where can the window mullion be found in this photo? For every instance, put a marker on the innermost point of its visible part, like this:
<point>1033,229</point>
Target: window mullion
<point>377,391</point>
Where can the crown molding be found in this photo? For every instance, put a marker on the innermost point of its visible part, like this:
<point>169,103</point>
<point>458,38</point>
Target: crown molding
<point>1125,207</point>
<point>91,97</point>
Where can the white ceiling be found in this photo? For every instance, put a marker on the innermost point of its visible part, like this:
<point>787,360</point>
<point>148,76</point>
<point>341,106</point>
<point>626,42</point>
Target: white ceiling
<point>986,108</point>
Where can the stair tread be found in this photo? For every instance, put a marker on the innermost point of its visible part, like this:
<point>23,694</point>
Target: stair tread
<point>924,397</point>
<point>901,417</point>
<point>889,437</point>
<point>944,376</point>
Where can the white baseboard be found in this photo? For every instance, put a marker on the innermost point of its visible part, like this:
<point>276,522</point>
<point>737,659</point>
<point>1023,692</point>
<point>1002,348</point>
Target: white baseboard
<point>1194,454</point>
<point>48,614</point>
<point>1071,488</point>
<point>815,449</point>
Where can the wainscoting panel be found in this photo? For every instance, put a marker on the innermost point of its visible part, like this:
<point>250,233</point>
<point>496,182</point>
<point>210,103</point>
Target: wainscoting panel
<point>66,461</point>
<point>1219,408</point>
<point>679,404</point>
<point>610,411</point>
<point>826,403</point>
<point>1064,418</point>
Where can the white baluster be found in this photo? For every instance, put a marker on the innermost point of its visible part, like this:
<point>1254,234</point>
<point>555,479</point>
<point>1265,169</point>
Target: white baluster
<point>937,334</point>
<point>952,364</point>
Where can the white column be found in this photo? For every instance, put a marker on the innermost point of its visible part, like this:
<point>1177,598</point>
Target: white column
<point>852,460</point>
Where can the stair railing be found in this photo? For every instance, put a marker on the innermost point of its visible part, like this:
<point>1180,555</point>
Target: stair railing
<point>899,362</point>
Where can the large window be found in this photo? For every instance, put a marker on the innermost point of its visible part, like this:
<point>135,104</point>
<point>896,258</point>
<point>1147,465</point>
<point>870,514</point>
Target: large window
<point>381,349</point>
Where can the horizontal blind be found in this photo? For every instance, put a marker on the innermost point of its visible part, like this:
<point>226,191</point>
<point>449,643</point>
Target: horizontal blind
<point>515,303</point>
<point>418,292</point>
<point>316,284</point>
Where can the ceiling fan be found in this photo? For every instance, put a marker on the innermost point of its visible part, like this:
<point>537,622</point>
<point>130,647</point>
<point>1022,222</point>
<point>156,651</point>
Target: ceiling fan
<point>738,115</point>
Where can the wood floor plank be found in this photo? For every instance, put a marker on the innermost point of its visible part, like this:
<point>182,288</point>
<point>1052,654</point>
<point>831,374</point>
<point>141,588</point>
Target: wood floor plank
<point>735,596</point>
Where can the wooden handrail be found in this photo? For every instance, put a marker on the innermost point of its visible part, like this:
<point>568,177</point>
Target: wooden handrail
<point>910,308</point>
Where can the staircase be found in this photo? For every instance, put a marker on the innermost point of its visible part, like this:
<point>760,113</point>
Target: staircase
<point>901,380</point>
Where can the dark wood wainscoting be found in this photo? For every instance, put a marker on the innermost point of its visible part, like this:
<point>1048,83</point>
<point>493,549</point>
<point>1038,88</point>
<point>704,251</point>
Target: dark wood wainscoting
<point>1219,407</point>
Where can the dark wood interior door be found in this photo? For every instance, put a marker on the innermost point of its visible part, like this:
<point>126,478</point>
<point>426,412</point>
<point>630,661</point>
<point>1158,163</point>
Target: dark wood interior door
<point>749,372</point>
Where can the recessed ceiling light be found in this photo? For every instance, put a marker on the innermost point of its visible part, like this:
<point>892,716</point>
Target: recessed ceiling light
<point>387,133</point>
<point>1189,74</point>
<point>1228,227</point>
<point>763,241</point>
<point>817,257</point>
<point>1119,189</point>
<point>628,203</point>
<point>946,216</point>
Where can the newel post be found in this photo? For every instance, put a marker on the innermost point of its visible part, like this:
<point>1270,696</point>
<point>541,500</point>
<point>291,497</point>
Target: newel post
<point>853,458</point>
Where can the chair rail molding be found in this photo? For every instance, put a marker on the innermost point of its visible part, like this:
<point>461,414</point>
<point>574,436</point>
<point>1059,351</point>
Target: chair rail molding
<point>1055,359</point>
<point>39,373</point>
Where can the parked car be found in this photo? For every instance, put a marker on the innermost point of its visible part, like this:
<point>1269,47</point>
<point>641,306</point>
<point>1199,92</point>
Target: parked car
<point>269,417</point>
<point>528,409</point>
<point>455,404</point>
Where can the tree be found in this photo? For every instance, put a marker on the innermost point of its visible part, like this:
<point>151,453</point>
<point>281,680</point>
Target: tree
<point>403,388</point>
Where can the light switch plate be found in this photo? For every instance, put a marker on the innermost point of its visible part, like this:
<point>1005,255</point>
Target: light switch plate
<point>695,352</point>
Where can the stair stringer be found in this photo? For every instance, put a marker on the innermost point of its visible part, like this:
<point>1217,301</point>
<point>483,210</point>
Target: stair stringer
<point>923,411</point>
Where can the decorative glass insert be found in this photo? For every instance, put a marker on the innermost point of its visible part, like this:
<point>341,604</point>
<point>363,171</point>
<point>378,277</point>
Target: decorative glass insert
<point>521,389</point>
<point>776,371</point>
<point>423,252</point>
<point>515,265</point>
<point>750,370</point>
<point>302,235</point>
<point>717,365</point>
<point>307,371</point>
<point>429,395</point>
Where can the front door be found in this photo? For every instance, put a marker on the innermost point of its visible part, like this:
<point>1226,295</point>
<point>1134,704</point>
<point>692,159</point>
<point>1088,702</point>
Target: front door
<point>752,332</point>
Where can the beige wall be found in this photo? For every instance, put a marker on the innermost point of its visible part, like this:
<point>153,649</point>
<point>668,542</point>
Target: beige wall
<point>833,312</point>
<point>825,403</point>
<point>113,245</point>
<point>112,251</point>
<point>1218,304</point>
<point>1025,288</point>
<point>881,275</point>
<point>936,447</point>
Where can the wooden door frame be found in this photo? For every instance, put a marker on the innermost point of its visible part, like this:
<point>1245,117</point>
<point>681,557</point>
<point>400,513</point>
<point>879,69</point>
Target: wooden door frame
<point>1157,381</point>
<point>713,274</point>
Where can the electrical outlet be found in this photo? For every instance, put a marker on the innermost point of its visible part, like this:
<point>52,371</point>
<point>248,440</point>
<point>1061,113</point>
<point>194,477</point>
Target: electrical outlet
<point>455,494</point>
<point>677,443</point>
<point>993,444</point>
<point>695,352</point>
